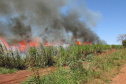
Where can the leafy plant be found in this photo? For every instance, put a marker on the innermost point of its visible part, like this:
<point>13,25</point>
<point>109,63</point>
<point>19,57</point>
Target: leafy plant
<point>5,70</point>
<point>124,43</point>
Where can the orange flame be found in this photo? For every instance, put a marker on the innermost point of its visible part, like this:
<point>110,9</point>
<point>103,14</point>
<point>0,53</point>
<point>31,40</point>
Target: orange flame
<point>5,43</point>
<point>87,43</point>
<point>77,42</point>
<point>47,44</point>
<point>34,44</point>
<point>21,45</point>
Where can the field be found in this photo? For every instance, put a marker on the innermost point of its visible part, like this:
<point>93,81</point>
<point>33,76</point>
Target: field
<point>85,64</point>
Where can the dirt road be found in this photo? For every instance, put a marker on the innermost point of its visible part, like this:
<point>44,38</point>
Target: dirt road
<point>16,78</point>
<point>121,77</point>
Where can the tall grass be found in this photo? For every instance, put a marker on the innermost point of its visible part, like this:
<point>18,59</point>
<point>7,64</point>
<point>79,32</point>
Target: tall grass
<point>11,59</point>
<point>74,56</point>
<point>48,56</point>
<point>5,70</point>
<point>97,71</point>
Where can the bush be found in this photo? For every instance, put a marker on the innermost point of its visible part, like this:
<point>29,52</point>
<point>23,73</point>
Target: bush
<point>41,57</point>
<point>124,43</point>
<point>49,56</point>
<point>5,70</point>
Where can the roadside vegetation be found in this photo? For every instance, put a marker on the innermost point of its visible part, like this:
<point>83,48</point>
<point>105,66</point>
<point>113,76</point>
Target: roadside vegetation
<point>6,71</point>
<point>49,56</point>
<point>83,64</point>
<point>97,70</point>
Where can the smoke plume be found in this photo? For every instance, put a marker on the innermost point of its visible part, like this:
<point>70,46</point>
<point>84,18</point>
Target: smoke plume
<point>24,19</point>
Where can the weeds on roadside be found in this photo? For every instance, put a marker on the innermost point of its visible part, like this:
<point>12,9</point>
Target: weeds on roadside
<point>5,70</point>
<point>100,68</point>
<point>73,56</point>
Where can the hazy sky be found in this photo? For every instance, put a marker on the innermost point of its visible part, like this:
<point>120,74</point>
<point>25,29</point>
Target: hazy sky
<point>113,20</point>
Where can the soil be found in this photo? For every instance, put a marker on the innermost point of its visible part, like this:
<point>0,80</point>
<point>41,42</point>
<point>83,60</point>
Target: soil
<point>105,53</point>
<point>16,78</point>
<point>121,77</point>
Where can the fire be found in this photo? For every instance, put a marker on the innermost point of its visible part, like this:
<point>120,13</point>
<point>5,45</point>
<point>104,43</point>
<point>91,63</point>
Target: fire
<point>5,43</point>
<point>21,45</point>
<point>87,43</point>
<point>34,44</point>
<point>77,42</point>
<point>46,43</point>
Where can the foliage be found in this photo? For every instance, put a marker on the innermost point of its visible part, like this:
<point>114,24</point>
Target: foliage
<point>100,68</point>
<point>124,43</point>
<point>5,70</point>
<point>117,46</point>
<point>11,60</point>
<point>74,56</point>
<point>122,38</point>
<point>41,57</point>
<point>50,56</point>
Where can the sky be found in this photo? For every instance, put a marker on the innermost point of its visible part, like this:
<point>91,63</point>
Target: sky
<point>113,20</point>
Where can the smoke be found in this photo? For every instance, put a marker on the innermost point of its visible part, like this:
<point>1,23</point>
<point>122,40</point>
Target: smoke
<point>24,19</point>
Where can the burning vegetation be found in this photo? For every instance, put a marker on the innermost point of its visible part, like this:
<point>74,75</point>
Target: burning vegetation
<point>22,20</point>
<point>30,30</point>
<point>23,45</point>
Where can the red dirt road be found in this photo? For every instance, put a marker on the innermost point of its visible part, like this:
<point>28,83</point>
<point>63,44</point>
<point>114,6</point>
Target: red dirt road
<point>16,78</point>
<point>121,77</point>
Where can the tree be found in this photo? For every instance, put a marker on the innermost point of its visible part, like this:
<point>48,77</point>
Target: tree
<point>122,38</point>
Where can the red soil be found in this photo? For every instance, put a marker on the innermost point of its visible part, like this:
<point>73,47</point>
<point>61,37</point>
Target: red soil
<point>16,78</point>
<point>108,52</point>
<point>121,77</point>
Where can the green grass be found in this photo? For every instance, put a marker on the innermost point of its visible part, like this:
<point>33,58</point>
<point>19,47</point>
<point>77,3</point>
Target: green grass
<point>99,70</point>
<point>48,56</point>
<point>104,67</point>
<point>6,71</point>
<point>95,67</point>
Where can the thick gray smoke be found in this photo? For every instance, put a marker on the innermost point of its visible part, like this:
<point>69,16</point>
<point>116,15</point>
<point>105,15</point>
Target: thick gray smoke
<point>24,19</point>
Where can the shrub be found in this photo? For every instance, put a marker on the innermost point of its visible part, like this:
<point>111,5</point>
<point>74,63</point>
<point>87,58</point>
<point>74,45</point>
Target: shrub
<point>41,57</point>
<point>5,70</point>
<point>124,43</point>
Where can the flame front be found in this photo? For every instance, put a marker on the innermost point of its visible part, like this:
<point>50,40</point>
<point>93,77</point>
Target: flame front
<point>5,43</point>
<point>85,43</point>
<point>46,43</point>
<point>21,45</point>
<point>77,42</point>
<point>34,43</point>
